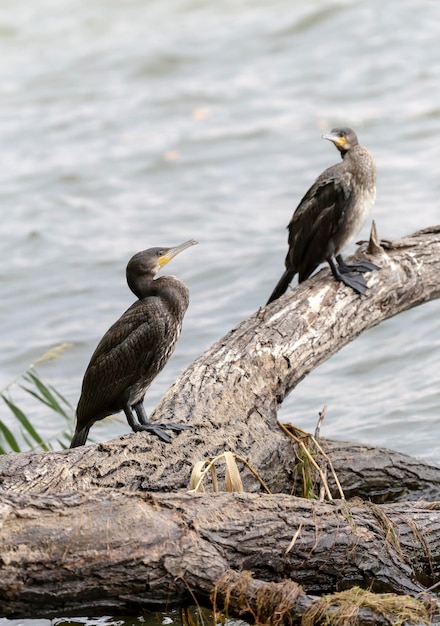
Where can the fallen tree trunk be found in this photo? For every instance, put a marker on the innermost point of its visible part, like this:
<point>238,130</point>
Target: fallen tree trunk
<point>106,549</point>
<point>230,394</point>
<point>113,551</point>
<point>369,472</point>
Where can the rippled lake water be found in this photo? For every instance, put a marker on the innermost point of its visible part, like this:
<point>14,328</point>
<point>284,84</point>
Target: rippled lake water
<point>132,124</point>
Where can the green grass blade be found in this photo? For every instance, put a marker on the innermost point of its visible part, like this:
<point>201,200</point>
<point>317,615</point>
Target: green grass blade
<point>27,440</point>
<point>62,398</point>
<point>45,445</point>
<point>21,417</point>
<point>8,437</point>
<point>54,407</point>
<point>33,378</point>
<point>36,395</point>
<point>46,394</point>
<point>30,382</point>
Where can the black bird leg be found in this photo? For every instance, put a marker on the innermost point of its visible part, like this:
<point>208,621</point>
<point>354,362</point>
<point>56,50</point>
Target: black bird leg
<point>137,427</point>
<point>354,280</point>
<point>143,419</point>
<point>360,266</point>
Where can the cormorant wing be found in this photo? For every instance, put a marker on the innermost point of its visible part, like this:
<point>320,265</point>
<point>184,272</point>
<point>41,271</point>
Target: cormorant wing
<point>121,358</point>
<point>315,221</point>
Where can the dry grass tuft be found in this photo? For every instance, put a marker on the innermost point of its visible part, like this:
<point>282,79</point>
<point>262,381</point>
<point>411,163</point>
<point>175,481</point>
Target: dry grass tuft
<point>342,609</point>
<point>257,601</point>
<point>309,453</point>
<point>233,482</point>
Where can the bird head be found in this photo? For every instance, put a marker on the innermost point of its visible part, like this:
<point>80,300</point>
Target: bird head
<point>143,266</point>
<point>343,138</point>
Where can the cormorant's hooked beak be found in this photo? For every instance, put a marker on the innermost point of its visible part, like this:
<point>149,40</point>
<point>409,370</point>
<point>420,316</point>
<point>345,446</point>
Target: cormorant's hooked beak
<point>336,139</point>
<point>170,253</point>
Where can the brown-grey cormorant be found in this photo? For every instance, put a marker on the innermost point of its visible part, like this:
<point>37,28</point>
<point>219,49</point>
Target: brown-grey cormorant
<point>135,348</point>
<point>330,215</point>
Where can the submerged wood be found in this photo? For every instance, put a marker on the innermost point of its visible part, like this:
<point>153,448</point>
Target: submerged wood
<point>79,536</point>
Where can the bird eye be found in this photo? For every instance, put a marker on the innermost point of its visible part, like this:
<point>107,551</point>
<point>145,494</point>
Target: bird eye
<point>160,253</point>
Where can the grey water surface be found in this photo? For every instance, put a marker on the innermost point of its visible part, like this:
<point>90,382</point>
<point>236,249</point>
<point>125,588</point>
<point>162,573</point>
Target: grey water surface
<point>127,125</point>
<point>130,124</point>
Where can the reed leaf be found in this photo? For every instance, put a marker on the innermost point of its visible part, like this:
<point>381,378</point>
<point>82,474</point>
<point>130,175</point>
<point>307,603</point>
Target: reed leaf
<point>25,423</point>
<point>31,383</point>
<point>47,394</point>
<point>9,438</point>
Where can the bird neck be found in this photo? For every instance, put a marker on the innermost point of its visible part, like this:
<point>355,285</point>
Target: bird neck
<point>142,285</point>
<point>167,288</point>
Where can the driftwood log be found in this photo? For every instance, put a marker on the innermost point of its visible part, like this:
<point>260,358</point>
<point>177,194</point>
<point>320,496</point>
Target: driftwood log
<point>94,529</point>
<point>110,550</point>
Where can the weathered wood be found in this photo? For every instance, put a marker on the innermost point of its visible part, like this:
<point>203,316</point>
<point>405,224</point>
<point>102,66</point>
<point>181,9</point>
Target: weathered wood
<point>381,475</point>
<point>121,552</point>
<point>370,472</point>
<point>230,395</point>
<point>78,535</point>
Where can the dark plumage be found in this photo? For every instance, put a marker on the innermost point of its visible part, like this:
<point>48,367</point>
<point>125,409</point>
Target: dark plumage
<point>330,215</point>
<point>135,349</point>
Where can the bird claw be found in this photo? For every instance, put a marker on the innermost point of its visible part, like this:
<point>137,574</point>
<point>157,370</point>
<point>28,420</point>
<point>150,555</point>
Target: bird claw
<point>351,273</point>
<point>360,266</point>
<point>154,430</point>
<point>172,426</point>
<point>159,429</point>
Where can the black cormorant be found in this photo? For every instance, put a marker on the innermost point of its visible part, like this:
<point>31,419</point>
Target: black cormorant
<point>330,215</point>
<point>135,349</point>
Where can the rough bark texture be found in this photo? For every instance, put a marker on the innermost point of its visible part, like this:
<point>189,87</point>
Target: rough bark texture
<point>377,474</point>
<point>77,534</point>
<point>121,552</point>
<point>230,394</point>
<point>381,475</point>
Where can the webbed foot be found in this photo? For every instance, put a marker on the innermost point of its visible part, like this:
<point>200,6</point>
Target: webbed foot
<point>151,427</point>
<point>154,429</point>
<point>361,266</point>
<point>355,281</point>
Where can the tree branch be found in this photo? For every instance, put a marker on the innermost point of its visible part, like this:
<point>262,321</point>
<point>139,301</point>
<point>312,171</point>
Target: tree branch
<point>231,393</point>
<point>79,536</point>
